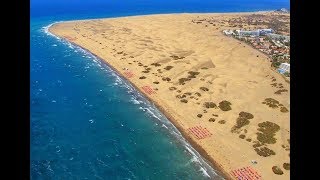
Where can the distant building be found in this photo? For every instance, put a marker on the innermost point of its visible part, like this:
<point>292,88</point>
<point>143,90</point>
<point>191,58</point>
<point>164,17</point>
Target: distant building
<point>255,33</point>
<point>228,32</point>
<point>248,33</point>
<point>284,67</point>
<point>263,32</point>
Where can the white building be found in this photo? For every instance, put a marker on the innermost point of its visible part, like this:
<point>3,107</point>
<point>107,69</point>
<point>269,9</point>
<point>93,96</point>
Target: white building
<point>228,32</point>
<point>263,32</point>
<point>248,33</point>
<point>255,33</point>
<point>284,67</point>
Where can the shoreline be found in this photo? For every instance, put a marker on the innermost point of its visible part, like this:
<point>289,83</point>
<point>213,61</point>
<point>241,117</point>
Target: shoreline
<point>221,152</point>
<point>211,162</point>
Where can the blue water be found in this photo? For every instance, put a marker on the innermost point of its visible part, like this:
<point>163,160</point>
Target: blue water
<point>86,122</point>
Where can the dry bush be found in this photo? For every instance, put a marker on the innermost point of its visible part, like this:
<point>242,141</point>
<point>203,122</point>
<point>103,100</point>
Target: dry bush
<point>246,115</point>
<point>222,122</point>
<point>142,77</point>
<point>284,109</point>
<point>225,105</point>
<point>183,80</point>
<point>184,100</point>
<point>209,105</point>
<point>166,79</point>
<point>172,88</point>
<point>277,170</point>
<point>156,64</point>
<point>204,89</point>
<point>175,57</point>
<point>180,96</point>
<point>242,136</point>
<point>280,91</point>
<point>212,120</point>
<point>156,82</point>
<point>168,68</point>
<point>286,166</point>
<point>264,151</point>
<point>199,115</point>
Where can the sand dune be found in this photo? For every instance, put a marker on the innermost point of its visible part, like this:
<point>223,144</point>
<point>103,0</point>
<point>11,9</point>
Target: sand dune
<point>199,77</point>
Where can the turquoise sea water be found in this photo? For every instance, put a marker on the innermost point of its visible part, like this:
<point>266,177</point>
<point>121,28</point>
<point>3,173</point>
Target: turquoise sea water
<point>88,123</point>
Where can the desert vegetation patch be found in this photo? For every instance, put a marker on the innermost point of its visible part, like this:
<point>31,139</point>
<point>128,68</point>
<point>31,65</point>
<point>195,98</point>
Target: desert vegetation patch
<point>225,105</point>
<point>267,131</point>
<point>277,170</point>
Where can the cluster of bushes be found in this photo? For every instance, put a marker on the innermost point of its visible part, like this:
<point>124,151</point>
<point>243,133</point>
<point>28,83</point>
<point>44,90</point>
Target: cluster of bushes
<point>280,91</point>
<point>267,132</point>
<point>222,122</point>
<point>209,105</point>
<point>183,80</point>
<point>156,64</point>
<point>166,79</point>
<point>264,151</point>
<point>271,102</point>
<point>212,120</point>
<point>242,120</point>
<point>193,74</point>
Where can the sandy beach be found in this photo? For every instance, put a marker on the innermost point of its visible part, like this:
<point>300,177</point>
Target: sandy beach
<point>219,92</point>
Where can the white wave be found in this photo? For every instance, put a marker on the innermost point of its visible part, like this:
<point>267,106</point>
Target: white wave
<point>135,101</point>
<point>152,114</point>
<point>204,172</point>
<point>54,45</point>
<point>164,126</point>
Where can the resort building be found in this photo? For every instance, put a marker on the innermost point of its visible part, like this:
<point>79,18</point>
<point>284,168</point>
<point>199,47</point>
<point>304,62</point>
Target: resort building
<point>284,67</point>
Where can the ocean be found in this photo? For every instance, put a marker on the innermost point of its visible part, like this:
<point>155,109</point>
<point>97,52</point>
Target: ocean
<point>88,123</point>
